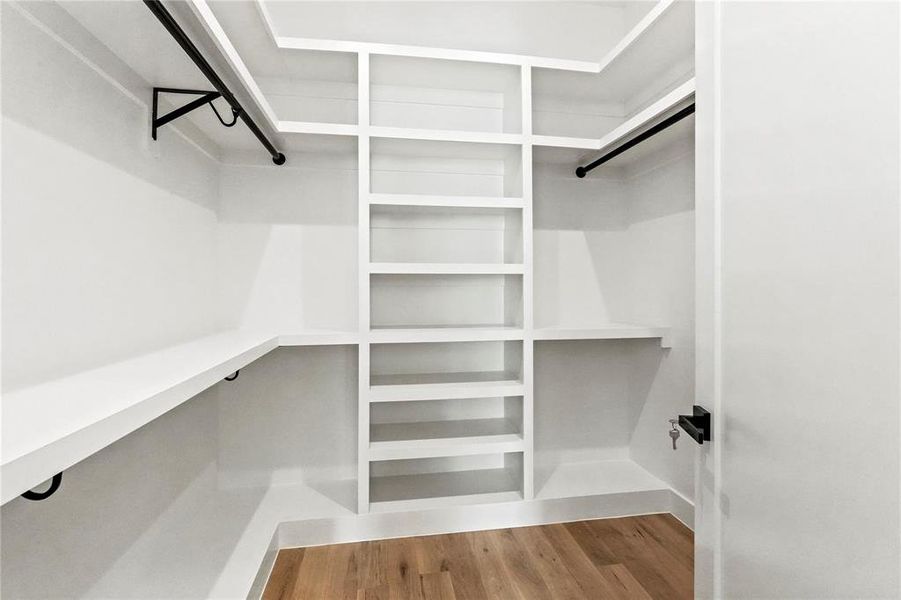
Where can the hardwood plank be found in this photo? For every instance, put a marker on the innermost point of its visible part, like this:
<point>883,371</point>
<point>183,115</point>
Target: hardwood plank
<point>518,565</point>
<point>342,571</point>
<point>548,563</point>
<point>284,574</point>
<point>596,581</point>
<point>310,582</point>
<point>403,569</point>
<point>437,586</point>
<point>495,579</point>
<point>629,558</point>
<point>652,570</point>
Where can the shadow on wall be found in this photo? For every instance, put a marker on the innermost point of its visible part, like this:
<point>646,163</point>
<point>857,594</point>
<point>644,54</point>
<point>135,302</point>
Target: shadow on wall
<point>115,505</point>
<point>282,232</point>
<point>311,390</point>
<point>93,102</point>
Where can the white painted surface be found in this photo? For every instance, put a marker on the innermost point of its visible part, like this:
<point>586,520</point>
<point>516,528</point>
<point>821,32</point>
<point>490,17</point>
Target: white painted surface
<point>799,343</point>
<point>291,254</point>
<point>590,28</point>
<point>116,247</point>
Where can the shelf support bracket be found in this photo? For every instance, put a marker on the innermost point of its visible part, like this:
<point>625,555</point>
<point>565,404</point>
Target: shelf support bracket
<point>206,97</point>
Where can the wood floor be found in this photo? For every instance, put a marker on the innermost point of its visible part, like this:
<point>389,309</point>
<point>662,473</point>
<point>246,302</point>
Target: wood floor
<point>637,557</point>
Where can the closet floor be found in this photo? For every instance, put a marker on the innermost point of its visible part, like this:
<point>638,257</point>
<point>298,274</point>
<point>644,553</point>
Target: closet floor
<point>650,556</point>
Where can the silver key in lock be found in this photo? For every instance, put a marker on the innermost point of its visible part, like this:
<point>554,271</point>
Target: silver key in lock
<point>674,433</point>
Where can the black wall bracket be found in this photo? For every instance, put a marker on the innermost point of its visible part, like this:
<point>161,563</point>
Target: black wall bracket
<point>54,485</point>
<point>205,98</point>
<point>699,425</point>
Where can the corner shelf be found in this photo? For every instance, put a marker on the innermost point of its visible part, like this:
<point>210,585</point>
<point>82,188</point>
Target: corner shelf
<point>607,331</point>
<point>51,426</point>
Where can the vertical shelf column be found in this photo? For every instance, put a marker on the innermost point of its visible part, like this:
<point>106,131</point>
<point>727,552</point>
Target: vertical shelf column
<point>363,178</point>
<point>528,419</point>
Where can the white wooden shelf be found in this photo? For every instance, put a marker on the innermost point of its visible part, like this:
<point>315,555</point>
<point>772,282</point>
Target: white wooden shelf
<point>445,269</point>
<point>436,490</point>
<point>444,386</point>
<point>413,335</point>
<point>652,113</point>
<point>570,480</point>
<point>474,137</point>
<point>557,141</point>
<point>672,24</point>
<point>51,426</point>
<point>606,331</point>
<point>444,201</point>
<point>430,439</point>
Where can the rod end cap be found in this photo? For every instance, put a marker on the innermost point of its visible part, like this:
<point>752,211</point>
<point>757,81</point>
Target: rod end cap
<point>279,160</point>
<point>581,172</point>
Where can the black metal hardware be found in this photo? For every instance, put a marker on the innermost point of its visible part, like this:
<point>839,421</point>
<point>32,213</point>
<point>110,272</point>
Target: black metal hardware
<point>670,120</point>
<point>157,8</point>
<point>54,485</point>
<point>233,377</point>
<point>205,98</point>
<point>699,425</point>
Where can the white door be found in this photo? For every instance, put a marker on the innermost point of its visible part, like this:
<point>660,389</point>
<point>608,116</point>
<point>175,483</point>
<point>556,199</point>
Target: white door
<point>798,299</point>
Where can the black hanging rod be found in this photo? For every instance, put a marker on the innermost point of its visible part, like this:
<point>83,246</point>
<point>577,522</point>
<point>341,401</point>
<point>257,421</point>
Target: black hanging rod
<point>157,8</point>
<point>670,120</point>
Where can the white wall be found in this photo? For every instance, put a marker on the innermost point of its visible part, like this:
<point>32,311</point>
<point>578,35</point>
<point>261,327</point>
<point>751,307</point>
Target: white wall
<point>287,243</point>
<point>108,239</point>
<point>108,252</point>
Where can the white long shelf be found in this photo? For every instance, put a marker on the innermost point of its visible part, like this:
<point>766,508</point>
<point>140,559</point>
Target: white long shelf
<point>444,201</point>
<point>393,441</point>
<point>414,335</point>
<point>445,269</point>
<point>51,426</point>
<point>444,386</point>
<point>606,331</point>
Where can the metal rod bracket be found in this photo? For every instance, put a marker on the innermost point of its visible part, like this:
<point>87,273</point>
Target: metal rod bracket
<point>37,496</point>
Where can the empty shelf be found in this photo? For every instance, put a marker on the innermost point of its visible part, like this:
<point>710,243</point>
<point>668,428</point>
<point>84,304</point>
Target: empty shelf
<point>392,441</point>
<point>608,331</point>
<point>434,490</point>
<point>569,480</point>
<point>444,386</point>
<point>478,137</point>
<point>49,427</point>
<point>444,201</point>
<point>446,268</point>
<point>413,335</point>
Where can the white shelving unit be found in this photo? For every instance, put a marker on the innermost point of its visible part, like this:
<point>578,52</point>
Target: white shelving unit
<point>466,203</point>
